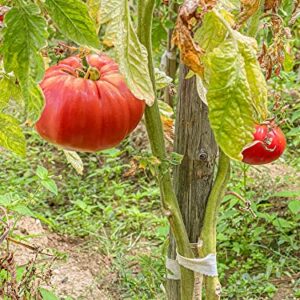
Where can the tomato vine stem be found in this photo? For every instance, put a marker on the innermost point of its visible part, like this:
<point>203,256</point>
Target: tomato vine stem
<point>156,137</point>
<point>209,229</point>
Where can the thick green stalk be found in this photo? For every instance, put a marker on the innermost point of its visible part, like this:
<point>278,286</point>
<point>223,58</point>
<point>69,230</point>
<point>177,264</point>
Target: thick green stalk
<point>156,137</point>
<point>209,234</point>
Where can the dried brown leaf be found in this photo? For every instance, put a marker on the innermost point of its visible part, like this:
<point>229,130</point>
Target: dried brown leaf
<point>248,9</point>
<point>168,126</point>
<point>272,57</point>
<point>190,14</point>
<point>190,52</point>
<point>295,13</point>
<point>132,170</point>
<point>272,5</point>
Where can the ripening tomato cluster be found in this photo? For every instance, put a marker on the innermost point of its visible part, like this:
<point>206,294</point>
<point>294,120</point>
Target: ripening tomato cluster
<point>90,108</point>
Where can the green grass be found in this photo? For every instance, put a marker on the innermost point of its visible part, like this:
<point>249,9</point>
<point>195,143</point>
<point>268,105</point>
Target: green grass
<point>121,216</point>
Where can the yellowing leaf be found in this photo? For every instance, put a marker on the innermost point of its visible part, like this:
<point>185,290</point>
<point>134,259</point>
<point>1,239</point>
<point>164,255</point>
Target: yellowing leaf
<point>255,77</point>
<point>11,135</point>
<point>110,15</point>
<point>74,159</point>
<point>229,99</point>
<point>133,58</point>
<point>201,90</point>
<point>110,9</point>
<point>94,10</point>
<point>161,79</point>
<point>212,32</point>
<point>236,87</point>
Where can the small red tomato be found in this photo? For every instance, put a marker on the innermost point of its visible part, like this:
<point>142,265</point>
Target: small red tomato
<point>268,145</point>
<point>87,108</point>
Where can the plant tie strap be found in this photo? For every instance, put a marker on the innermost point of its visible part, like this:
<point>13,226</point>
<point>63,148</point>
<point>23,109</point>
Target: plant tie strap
<point>206,265</point>
<point>171,55</point>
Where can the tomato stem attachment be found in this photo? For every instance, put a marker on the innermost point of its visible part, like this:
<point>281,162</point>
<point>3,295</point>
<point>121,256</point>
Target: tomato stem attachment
<point>92,74</point>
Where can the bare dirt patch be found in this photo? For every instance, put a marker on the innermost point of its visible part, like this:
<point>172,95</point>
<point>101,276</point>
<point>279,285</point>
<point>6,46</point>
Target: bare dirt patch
<point>80,274</point>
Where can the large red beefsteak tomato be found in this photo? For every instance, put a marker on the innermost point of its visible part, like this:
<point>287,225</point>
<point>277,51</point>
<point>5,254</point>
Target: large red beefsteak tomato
<point>268,145</point>
<point>87,109</point>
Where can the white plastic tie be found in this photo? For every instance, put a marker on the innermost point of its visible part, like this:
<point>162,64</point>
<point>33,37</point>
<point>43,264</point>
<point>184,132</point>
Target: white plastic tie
<point>171,55</point>
<point>173,269</point>
<point>206,265</point>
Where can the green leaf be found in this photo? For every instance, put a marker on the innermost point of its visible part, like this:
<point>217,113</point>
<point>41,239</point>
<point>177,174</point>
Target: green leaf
<point>282,223</point>
<point>286,194</point>
<point>161,79</point>
<point>47,295</point>
<point>133,58</point>
<point>294,206</point>
<point>6,199</point>
<point>21,52</point>
<point>229,99</point>
<point>11,135</point>
<point>50,185</point>
<point>41,172</point>
<point>46,181</point>
<point>22,210</point>
<point>21,47</point>
<point>73,20</point>
<point>289,59</point>
<point>34,99</point>
<point>294,132</point>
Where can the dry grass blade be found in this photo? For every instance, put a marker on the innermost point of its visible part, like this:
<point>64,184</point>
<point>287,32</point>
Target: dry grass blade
<point>295,14</point>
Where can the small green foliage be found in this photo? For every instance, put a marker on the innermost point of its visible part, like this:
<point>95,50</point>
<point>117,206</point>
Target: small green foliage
<point>46,181</point>
<point>47,295</point>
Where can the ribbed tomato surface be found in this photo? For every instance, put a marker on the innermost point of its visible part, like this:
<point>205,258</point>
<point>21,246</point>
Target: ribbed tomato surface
<point>83,114</point>
<point>268,145</point>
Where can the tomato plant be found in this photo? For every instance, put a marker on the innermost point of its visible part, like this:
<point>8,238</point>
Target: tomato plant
<point>87,108</point>
<point>268,145</point>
